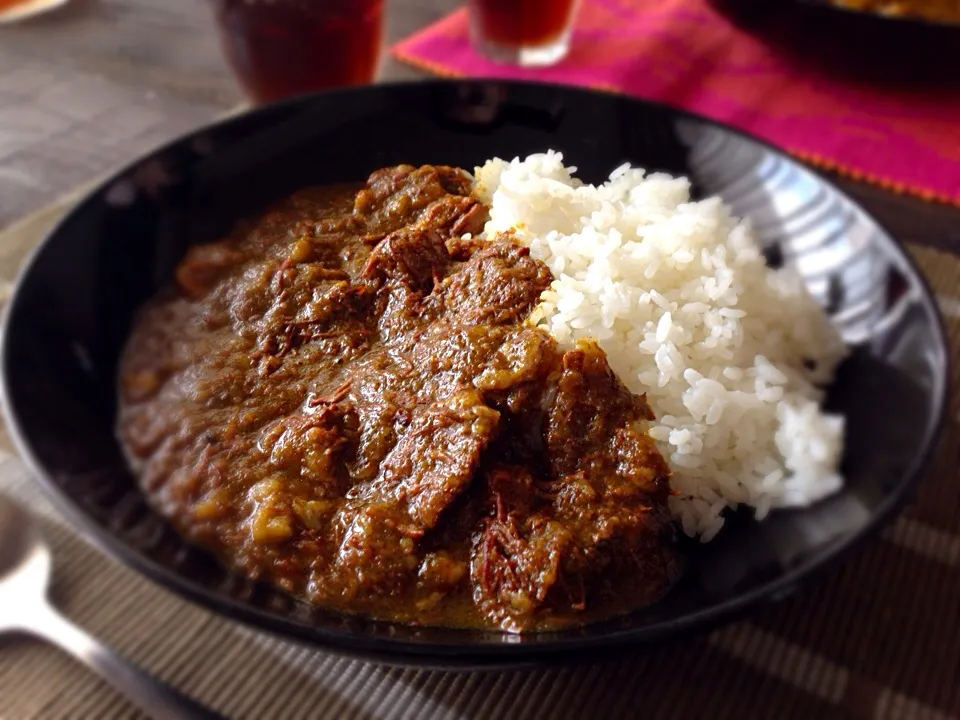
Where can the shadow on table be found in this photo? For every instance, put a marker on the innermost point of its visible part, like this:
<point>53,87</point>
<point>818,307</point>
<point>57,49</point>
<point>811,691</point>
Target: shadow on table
<point>688,679</point>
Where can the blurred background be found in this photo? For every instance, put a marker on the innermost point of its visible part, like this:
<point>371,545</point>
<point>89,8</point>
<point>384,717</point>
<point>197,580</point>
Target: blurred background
<point>88,84</point>
<point>93,83</point>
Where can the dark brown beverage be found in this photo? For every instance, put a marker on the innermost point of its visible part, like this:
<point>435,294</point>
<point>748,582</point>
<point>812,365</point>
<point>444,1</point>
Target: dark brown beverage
<point>523,22</point>
<point>522,32</point>
<point>281,48</point>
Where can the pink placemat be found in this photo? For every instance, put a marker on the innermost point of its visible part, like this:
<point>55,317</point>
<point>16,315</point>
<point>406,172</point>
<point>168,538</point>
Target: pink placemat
<point>876,100</point>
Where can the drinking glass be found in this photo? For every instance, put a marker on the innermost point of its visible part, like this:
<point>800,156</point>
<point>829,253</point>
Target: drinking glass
<point>522,32</point>
<point>280,48</point>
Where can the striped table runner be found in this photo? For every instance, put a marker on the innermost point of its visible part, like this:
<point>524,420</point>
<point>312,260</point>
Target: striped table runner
<point>877,637</point>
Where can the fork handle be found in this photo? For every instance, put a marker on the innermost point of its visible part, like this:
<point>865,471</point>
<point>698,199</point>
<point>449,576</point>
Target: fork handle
<point>158,700</point>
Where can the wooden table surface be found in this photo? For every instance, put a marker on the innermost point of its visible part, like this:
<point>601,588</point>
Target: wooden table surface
<point>93,85</point>
<point>87,88</point>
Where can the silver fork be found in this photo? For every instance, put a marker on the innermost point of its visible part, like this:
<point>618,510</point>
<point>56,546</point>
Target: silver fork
<point>25,569</point>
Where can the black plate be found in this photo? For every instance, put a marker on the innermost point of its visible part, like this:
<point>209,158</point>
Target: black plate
<point>74,303</point>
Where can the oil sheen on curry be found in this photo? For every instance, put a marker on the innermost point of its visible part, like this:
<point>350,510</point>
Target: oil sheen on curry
<point>343,398</point>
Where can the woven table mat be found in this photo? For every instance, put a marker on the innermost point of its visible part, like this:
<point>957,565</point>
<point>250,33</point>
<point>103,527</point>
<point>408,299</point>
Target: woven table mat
<point>877,637</point>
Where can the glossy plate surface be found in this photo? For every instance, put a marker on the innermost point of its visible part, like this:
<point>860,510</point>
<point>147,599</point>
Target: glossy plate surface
<point>74,304</point>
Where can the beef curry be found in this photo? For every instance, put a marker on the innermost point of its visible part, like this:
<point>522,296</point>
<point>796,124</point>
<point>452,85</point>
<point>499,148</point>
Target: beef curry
<point>343,398</point>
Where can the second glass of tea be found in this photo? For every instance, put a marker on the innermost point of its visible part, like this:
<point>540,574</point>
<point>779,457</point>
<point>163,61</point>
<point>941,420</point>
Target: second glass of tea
<point>281,48</point>
<point>530,33</point>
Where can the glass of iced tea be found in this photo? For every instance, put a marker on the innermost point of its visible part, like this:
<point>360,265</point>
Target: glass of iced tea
<point>522,32</point>
<point>281,48</point>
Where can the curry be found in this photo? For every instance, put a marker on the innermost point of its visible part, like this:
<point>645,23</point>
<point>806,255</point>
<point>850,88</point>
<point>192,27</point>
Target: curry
<point>342,398</point>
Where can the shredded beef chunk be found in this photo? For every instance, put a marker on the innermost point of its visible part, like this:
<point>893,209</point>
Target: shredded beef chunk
<point>434,459</point>
<point>343,398</point>
<point>597,515</point>
<point>590,423</point>
<point>410,257</point>
<point>499,285</point>
<point>431,464</point>
<point>403,195</point>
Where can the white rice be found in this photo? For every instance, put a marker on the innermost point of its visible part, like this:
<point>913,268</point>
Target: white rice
<point>679,296</point>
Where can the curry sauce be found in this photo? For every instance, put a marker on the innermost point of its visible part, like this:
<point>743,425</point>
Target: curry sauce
<point>342,398</point>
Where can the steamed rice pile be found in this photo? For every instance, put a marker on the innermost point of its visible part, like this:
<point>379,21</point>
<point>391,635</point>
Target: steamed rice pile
<point>732,354</point>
